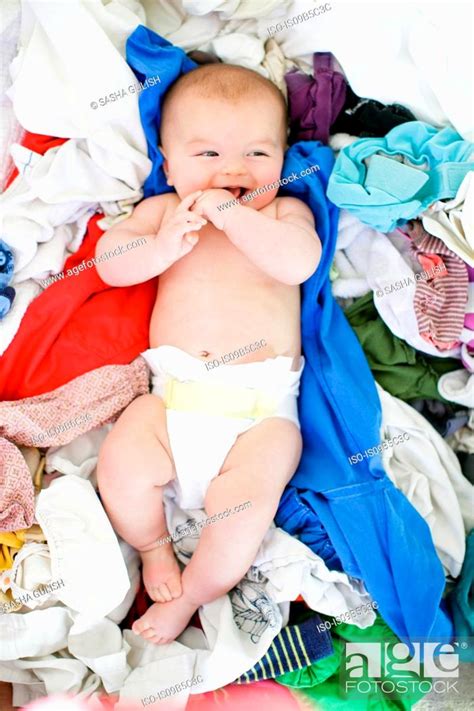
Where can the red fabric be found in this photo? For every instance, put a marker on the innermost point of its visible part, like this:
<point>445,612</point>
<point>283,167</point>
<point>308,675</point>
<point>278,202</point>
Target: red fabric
<point>76,324</point>
<point>260,696</point>
<point>39,144</point>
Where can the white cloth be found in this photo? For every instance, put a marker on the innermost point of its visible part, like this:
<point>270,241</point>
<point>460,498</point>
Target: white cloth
<point>104,162</point>
<point>352,257</point>
<point>69,652</point>
<point>453,220</point>
<point>10,129</point>
<point>407,53</point>
<point>80,456</point>
<point>457,386</point>
<point>84,549</point>
<point>428,472</point>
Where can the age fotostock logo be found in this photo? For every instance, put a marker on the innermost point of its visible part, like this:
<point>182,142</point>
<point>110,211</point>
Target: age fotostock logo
<point>395,668</point>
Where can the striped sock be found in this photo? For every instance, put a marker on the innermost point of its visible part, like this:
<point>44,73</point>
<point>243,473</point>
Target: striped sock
<point>293,648</point>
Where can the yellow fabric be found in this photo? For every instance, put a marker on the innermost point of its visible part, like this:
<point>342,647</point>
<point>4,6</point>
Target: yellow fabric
<point>12,541</point>
<point>218,399</point>
<point>7,541</point>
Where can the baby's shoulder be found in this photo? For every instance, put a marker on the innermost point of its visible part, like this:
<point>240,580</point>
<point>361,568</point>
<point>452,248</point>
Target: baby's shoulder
<point>150,204</point>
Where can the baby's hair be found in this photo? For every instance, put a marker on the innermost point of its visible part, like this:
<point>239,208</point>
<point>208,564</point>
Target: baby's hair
<point>227,81</point>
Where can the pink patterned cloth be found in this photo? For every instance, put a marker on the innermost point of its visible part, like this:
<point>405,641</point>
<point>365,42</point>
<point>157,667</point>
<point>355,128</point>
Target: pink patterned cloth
<point>440,302</point>
<point>90,400</point>
<point>17,496</point>
<point>54,419</point>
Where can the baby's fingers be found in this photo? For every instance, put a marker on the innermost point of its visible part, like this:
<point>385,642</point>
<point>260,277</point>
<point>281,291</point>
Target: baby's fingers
<point>188,201</point>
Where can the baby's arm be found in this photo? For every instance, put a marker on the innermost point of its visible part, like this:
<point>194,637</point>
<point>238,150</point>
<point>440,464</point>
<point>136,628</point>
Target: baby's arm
<point>287,248</point>
<point>169,233</point>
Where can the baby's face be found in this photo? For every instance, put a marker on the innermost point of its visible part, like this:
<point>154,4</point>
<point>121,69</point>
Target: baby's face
<point>214,143</point>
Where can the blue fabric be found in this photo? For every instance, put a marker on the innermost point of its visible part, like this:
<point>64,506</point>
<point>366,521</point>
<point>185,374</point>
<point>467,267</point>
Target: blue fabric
<point>376,533</point>
<point>386,193</point>
<point>7,266</point>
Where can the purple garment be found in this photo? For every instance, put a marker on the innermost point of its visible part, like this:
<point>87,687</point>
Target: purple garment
<point>315,103</point>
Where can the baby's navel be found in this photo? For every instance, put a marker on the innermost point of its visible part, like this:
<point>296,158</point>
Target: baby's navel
<point>204,354</point>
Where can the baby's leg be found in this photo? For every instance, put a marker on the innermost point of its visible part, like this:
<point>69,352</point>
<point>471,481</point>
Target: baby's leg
<point>257,469</point>
<point>135,462</point>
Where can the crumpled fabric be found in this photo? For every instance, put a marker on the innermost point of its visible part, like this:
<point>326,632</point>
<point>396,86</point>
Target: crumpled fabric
<point>404,53</point>
<point>17,496</point>
<point>461,600</point>
<point>88,401</point>
<point>453,220</point>
<point>276,65</point>
<point>70,652</point>
<point>440,301</point>
<point>428,472</point>
<point>104,161</point>
<point>387,181</point>
<point>403,371</point>
<point>85,553</point>
<point>367,118</point>
<point>458,386</point>
<point>315,102</point>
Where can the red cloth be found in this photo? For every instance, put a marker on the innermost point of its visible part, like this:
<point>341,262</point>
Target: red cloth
<point>260,696</point>
<point>76,324</point>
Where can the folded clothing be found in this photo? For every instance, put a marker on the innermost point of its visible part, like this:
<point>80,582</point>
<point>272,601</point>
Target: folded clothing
<point>207,410</point>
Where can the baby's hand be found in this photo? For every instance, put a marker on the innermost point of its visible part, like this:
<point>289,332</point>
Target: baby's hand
<point>179,233</point>
<point>208,202</point>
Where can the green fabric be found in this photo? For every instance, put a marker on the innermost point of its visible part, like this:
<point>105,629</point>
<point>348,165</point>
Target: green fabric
<point>397,367</point>
<point>462,605</point>
<point>321,683</point>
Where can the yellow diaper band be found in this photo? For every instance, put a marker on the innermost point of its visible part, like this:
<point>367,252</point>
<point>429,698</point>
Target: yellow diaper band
<point>217,399</point>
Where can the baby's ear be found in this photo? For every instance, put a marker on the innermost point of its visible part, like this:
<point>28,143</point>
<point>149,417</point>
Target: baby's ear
<point>165,165</point>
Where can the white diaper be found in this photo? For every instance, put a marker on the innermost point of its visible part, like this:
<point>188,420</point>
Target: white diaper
<point>207,410</point>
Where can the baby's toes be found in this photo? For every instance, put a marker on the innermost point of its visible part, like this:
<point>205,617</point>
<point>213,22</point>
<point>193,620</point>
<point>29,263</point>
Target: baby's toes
<point>140,626</point>
<point>164,592</point>
<point>175,587</point>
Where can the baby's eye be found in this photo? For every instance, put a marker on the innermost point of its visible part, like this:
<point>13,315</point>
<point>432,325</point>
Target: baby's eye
<point>209,153</point>
<point>258,153</point>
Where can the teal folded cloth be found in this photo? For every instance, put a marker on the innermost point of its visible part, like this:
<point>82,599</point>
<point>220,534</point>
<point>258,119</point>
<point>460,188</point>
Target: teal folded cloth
<point>387,181</point>
<point>461,600</point>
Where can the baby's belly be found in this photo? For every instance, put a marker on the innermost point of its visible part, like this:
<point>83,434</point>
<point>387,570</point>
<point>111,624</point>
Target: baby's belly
<point>210,304</point>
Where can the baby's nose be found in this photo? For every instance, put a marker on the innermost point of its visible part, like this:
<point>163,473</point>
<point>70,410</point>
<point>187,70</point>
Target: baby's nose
<point>234,167</point>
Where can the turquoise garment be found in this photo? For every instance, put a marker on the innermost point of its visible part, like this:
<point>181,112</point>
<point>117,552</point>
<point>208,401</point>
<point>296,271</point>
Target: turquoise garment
<point>370,181</point>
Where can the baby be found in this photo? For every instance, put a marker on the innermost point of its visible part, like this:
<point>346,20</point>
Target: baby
<point>218,436</point>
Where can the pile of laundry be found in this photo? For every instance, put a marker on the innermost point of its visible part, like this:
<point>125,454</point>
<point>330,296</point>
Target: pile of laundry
<point>373,539</point>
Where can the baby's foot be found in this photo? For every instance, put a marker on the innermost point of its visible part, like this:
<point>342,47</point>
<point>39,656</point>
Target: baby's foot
<point>163,622</point>
<point>161,573</point>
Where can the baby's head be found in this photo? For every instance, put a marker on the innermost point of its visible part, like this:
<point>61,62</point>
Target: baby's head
<point>224,126</point>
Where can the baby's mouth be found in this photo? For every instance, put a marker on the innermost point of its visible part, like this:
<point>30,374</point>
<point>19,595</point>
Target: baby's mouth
<point>236,191</point>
